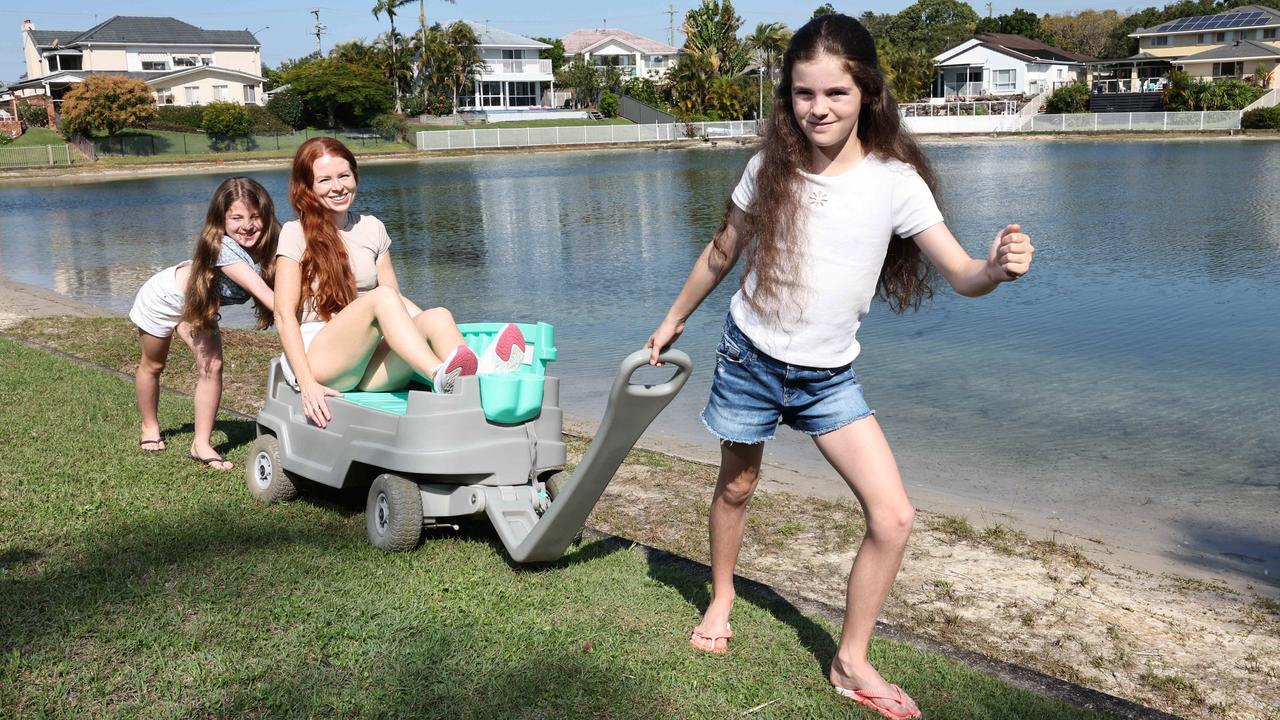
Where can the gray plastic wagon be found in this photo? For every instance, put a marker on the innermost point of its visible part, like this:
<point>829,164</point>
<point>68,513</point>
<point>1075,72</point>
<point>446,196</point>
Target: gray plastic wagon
<point>494,446</point>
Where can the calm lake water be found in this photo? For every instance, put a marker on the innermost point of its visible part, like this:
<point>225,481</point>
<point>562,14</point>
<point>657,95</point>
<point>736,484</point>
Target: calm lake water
<point>1129,382</point>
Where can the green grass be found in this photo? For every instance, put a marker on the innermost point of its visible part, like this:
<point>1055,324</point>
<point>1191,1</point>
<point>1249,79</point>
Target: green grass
<point>143,585</point>
<point>37,137</point>
<point>523,124</point>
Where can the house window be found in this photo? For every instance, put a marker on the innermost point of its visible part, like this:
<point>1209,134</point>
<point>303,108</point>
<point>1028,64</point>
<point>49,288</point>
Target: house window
<point>250,95</point>
<point>1160,41</point>
<point>193,94</point>
<point>1219,37</point>
<point>155,65</point>
<point>490,94</point>
<point>522,94</point>
<point>1269,33</point>
<point>657,60</point>
<point>164,96</point>
<point>1228,69</point>
<point>1061,73</point>
<point>512,54</point>
<point>184,61</point>
<point>206,60</point>
<point>1202,38</point>
<point>1005,79</point>
<point>220,93</point>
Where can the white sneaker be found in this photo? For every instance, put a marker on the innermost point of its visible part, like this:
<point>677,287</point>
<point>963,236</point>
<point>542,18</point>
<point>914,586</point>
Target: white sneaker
<point>462,361</point>
<point>505,353</point>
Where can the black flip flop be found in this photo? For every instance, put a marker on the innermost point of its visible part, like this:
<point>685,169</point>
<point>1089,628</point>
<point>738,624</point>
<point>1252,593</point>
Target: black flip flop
<point>209,461</point>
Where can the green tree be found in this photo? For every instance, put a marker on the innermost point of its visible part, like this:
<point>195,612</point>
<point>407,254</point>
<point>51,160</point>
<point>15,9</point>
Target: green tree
<point>711,30</point>
<point>338,92</point>
<point>691,79</point>
<point>448,65</point>
<point>1073,98</point>
<point>1085,32</point>
<point>555,53</point>
<point>1018,22</point>
<point>276,76</point>
<point>823,9</point>
<point>931,26</point>
<point>582,79</point>
<point>421,45</point>
<point>876,24</point>
<point>910,73</point>
<point>287,106</point>
<point>107,102</point>
<point>608,104</point>
<point>226,122</point>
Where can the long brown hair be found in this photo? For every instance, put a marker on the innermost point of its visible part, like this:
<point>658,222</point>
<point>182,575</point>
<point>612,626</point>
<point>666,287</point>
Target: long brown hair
<point>327,278</point>
<point>774,226</point>
<point>202,299</point>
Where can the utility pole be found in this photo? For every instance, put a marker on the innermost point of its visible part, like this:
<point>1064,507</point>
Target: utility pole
<point>318,31</point>
<point>988,8</point>
<point>671,25</point>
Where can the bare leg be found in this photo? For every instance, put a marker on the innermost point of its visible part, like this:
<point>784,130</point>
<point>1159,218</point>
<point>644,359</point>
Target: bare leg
<point>861,454</point>
<point>342,350</point>
<point>388,371</point>
<point>207,348</point>
<point>739,476</point>
<point>146,384</point>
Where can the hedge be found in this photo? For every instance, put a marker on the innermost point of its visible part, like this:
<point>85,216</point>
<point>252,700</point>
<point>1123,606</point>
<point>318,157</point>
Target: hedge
<point>1261,119</point>
<point>191,119</point>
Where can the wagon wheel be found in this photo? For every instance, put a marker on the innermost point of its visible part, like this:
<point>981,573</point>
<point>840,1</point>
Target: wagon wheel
<point>393,513</point>
<point>265,475</point>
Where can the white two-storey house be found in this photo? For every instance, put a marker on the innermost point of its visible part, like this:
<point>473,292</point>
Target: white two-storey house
<point>634,55</point>
<point>513,77</point>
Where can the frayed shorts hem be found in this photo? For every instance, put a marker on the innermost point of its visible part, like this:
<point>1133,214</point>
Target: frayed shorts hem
<point>703,417</point>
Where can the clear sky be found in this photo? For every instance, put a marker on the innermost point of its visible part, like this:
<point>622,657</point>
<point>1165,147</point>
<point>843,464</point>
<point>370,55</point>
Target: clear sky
<point>286,27</point>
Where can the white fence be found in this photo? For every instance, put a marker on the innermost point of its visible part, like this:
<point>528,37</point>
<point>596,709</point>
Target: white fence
<point>479,138</point>
<point>1080,122</point>
<point>11,157</point>
<point>1135,121</point>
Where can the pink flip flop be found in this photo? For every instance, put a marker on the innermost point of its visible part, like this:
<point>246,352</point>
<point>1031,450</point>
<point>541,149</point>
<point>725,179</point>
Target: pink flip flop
<point>868,699</point>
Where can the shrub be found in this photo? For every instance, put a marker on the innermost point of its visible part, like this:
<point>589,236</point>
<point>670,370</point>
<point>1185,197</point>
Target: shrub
<point>106,102</point>
<point>608,104</point>
<point>178,118</point>
<point>1228,94</point>
<point>391,126</point>
<point>1261,119</point>
<point>4,138</point>
<point>439,104</point>
<point>286,105</point>
<point>225,123</point>
<point>264,121</point>
<point>413,105</point>
<point>32,116</point>
<point>1073,98</point>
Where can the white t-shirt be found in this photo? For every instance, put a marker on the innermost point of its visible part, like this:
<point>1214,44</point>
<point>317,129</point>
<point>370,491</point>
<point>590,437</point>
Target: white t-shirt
<point>848,221</point>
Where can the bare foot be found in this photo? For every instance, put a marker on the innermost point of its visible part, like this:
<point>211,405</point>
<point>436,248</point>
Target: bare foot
<point>210,457</point>
<point>713,633</point>
<point>151,440</point>
<point>889,699</point>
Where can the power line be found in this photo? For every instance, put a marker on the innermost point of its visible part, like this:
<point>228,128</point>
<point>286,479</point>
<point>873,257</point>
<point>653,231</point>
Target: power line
<point>319,31</point>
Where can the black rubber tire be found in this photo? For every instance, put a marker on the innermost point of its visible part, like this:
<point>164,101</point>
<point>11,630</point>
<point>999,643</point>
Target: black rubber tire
<point>393,513</point>
<point>265,475</point>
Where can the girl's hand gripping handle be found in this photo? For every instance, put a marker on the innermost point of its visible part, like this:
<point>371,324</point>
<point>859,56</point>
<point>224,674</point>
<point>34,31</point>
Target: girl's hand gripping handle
<point>662,338</point>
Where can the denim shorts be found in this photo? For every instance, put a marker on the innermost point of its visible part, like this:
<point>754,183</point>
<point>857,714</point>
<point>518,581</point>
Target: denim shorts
<point>753,392</point>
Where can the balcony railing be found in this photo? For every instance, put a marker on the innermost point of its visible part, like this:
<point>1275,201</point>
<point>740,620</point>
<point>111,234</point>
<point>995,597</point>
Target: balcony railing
<point>962,89</point>
<point>518,67</point>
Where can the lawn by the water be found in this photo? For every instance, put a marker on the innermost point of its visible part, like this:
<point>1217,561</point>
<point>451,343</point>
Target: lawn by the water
<point>144,585</point>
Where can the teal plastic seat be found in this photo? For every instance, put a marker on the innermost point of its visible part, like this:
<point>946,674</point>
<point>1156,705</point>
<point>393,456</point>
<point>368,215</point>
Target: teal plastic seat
<point>507,399</point>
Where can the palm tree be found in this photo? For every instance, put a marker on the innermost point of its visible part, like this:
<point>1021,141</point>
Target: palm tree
<point>768,43</point>
<point>422,39</point>
<point>389,7</point>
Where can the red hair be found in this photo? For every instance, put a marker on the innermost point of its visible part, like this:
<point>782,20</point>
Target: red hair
<point>326,273</point>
